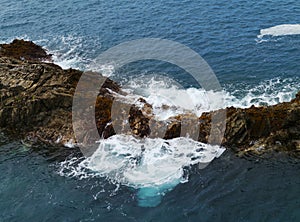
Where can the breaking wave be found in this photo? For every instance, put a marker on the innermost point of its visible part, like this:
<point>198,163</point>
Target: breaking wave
<point>156,166</point>
<point>153,166</point>
<point>280,30</point>
<point>165,92</point>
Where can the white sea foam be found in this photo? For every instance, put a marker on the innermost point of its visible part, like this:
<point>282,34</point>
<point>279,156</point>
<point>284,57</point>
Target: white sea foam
<point>151,165</point>
<point>70,144</point>
<point>280,30</point>
<point>168,98</point>
<point>161,93</point>
<point>149,162</point>
<point>268,92</point>
<point>67,51</point>
<point>154,166</point>
<point>70,51</point>
<point>106,70</point>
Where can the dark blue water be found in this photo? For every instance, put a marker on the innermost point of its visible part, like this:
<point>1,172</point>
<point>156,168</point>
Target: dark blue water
<point>225,35</point>
<point>229,189</point>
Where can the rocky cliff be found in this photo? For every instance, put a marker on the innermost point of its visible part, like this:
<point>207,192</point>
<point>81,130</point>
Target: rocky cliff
<point>36,104</point>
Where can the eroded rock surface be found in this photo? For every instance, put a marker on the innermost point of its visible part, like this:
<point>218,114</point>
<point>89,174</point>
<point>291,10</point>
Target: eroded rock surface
<point>24,50</point>
<point>36,103</point>
<point>36,97</point>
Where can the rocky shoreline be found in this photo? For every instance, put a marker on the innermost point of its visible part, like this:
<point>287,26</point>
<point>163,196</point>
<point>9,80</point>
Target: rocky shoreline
<point>36,104</point>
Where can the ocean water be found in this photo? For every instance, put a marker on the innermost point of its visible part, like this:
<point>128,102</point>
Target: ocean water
<point>254,50</point>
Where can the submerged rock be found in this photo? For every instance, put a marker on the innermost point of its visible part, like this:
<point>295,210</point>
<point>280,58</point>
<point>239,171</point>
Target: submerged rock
<point>36,103</point>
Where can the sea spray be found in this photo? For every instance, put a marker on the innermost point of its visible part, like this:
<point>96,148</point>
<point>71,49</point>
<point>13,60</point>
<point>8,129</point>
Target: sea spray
<point>166,93</point>
<point>152,166</point>
<point>155,166</point>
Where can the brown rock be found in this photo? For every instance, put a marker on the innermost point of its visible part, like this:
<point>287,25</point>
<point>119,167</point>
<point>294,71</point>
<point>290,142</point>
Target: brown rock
<point>36,102</point>
<point>24,50</point>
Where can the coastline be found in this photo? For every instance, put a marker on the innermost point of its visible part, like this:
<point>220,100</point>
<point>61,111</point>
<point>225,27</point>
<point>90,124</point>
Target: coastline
<point>36,104</point>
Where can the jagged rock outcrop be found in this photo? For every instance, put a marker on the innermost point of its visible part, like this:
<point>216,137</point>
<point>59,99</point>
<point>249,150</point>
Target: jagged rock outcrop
<point>24,50</point>
<point>36,103</point>
<point>36,97</point>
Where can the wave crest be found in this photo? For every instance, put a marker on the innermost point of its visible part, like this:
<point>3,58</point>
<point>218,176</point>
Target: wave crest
<point>280,30</point>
